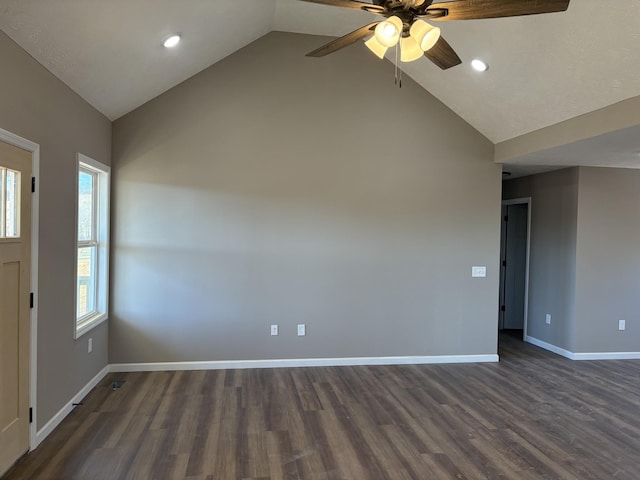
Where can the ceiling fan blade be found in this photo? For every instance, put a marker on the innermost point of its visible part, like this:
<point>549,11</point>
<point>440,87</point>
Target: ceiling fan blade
<point>443,55</point>
<point>353,4</point>
<point>476,9</point>
<point>345,41</point>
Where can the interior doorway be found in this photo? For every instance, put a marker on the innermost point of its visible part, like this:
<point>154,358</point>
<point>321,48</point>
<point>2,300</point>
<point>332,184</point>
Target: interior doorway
<point>514,265</point>
<point>15,315</point>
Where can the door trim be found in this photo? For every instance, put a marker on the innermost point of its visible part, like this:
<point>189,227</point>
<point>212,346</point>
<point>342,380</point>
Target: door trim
<point>522,201</point>
<point>34,149</point>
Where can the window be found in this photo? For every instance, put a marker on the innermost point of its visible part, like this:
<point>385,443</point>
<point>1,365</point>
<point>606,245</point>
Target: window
<point>92,261</point>
<point>9,203</point>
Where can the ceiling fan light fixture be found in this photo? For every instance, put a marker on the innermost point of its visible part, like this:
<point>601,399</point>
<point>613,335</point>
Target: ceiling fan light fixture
<point>426,35</point>
<point>410,49</point>
<point>388,32</point>
<point>376,47</point>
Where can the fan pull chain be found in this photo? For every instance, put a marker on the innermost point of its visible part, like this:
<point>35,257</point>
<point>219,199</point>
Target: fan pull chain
<point>398,79</point>
<point>396,66</point>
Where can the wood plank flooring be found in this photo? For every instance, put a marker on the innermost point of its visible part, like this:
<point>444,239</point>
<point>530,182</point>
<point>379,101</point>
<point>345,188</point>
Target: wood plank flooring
<point>534,415</point>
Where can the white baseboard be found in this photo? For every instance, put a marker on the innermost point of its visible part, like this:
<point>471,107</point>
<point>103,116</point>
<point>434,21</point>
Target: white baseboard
<point>300,362</point>
<point>607,356</point>
<point>549,346</point>
<point>68,408</point>
<point>584,355</point>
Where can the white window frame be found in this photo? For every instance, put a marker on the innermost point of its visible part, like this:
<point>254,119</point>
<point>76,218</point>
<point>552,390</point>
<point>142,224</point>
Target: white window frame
<point>100,223</point>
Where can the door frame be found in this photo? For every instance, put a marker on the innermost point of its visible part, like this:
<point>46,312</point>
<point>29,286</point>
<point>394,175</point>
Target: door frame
<point>34,149</point>
<point>522,201</point>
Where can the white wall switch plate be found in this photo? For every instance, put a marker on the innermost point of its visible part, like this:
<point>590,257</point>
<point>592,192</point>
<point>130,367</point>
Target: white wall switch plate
<point>622,324</point>
<point>547,318</point>
<point>479,272</point>
<point>90,345</point>
<point>302,331</point>
<point>274,330</point>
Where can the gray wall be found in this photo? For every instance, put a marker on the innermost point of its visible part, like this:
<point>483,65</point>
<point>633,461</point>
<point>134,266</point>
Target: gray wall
<point>37,106</point>
<point>552,262</point>
<point>608,260</point>
<point>584,261</point>
<point>276,188</point>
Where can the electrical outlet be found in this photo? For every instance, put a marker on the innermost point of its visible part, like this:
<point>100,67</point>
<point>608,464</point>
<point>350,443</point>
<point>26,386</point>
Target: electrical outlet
<point>622,324</point>
<point>302,331</point>
<point>479,272</point>
<point>90,345</point>
<point>547,318</point>
<point>274,330</point>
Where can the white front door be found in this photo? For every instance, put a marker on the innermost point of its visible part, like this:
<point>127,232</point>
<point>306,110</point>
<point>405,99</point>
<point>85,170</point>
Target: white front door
<point>15,249</point>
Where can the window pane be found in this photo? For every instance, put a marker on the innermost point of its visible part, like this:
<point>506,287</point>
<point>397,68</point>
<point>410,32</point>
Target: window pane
<point>92,223</point>
<point>86,288</point>
<point>3,198</point>
<point>86,190</point>
<point>12,205</point>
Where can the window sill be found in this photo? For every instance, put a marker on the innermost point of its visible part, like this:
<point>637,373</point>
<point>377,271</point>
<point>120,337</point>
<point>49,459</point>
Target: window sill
<point>89,324</point>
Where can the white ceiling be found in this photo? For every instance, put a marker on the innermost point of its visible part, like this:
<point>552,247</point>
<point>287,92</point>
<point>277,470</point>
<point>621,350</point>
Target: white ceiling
<point>544,69</point>
<point>111,53</point>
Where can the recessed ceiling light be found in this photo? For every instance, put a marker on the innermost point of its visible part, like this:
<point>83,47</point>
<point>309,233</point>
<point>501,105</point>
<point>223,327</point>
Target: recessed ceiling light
<point>479,65</point>
<point>172,41</point>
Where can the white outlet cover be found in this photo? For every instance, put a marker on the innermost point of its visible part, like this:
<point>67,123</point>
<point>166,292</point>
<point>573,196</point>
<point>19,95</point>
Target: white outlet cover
<point>274,330</point>
<point>302,331</point>
<point>479,271</point>
<point>547,318</point>
<point>622,324</point>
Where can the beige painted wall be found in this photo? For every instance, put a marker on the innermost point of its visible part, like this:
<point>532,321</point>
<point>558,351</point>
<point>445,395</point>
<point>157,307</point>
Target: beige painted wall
<point>552,270</point>
<point>585,233</point>
<point>608,260</point>
<point>37,106</point>
<point>276,188</point>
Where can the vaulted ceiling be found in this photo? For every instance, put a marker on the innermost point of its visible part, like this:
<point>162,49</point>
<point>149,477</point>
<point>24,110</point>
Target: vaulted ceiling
<point>544,69</point>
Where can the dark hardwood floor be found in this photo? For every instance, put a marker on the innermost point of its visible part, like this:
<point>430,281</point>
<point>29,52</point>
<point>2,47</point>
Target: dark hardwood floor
<point>534,415</point>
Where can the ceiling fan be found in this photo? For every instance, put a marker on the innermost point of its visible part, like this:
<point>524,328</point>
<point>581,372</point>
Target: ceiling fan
<point>405,28</point>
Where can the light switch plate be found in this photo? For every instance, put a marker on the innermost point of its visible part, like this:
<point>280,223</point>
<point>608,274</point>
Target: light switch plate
<point>302,331</point>
<point>622,324</point>
<point>479,272</point>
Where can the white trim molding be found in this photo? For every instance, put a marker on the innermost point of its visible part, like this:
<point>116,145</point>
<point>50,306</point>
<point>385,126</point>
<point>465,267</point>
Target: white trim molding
<point>606,356</point>
<point>583,355</point>
<point>301,362</point>
<point>34,149</point>
<point>68,408</point>
<point>550,347</point>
